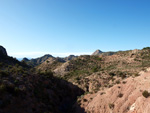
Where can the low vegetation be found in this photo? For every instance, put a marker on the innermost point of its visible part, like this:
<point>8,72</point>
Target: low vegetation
<point>146,94</point>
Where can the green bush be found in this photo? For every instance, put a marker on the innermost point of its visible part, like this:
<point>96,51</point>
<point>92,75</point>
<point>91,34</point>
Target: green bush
<point>111,106</point>
<point>146,94</point>
<point>145,48</point>
<point>112,74</point>
<point>120,95</point>
<point>4,74</point>
<point>47,73</point>
<point>2,88</point>
<point>118,81</point>
<point>137,74</point>
<point>95,69</point>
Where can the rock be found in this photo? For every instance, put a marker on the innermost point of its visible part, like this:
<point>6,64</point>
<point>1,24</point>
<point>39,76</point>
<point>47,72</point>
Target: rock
<point>97,52</point>
<point>101,53</point>
<point>3,51</point>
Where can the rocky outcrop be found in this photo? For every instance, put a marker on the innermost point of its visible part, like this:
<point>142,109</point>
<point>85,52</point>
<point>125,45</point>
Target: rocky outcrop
<point>63,69</point>
<point>126,97</point>
<point>101,53</point>
<point>3,51</point>
<point>97,52</point>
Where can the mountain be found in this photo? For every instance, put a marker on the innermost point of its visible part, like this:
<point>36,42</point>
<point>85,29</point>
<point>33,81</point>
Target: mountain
<point>100,53</point>
<point>47,58</point>
<point>97,52</point>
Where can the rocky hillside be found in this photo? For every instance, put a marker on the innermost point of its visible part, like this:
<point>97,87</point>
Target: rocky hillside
<point>92,73</point>
<point>131,95</point>
<point>23,90</point>
<point>50,64</point>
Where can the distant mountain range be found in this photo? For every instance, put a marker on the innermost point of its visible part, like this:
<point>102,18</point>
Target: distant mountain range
<point>40,60</point>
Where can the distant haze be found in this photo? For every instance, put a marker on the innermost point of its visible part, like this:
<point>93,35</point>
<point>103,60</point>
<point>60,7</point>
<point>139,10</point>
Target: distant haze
<point>39,54</point>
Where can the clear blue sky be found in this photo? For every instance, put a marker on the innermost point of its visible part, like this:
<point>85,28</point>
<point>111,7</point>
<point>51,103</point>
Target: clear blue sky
<point>61,27</point>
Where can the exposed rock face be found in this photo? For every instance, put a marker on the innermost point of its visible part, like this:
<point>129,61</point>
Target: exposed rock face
<point>63,69</point>
<point>3,51</point>
<point>53,63</point>
<point>50,64</point>
<point>122,98</point>
<point>97,52</point>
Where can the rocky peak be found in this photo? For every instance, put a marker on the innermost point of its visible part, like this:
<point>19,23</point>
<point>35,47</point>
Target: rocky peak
<point>97,52</point>
<point>3,51</point>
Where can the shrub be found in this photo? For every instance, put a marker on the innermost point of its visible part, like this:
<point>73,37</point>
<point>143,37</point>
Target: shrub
<point>124,82</point>
<point>121,74</point>
<point>95,69</point>
<point>4,74</point>
<point>146,94</point>
<point>99,58</point>
<point>84,100</point>
<point>145,48</point>
<point>77,78</point>
<point>2,88</point>
<point>47,73</point>
<point>112,74</point>
<point>120,95</point>
<point>136,75</point>
<point>118,82</point>
<point>111,105</point>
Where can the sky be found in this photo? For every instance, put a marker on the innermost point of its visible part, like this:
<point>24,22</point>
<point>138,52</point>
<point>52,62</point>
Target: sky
<point>32,28</point>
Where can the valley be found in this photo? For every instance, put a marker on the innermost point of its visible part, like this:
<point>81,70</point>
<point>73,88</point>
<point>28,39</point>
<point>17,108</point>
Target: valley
<point>104,82</point>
